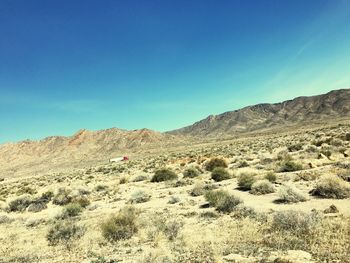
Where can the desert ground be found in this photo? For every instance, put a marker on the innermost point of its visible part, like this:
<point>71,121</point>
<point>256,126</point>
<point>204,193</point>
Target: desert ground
<point>274,197</point>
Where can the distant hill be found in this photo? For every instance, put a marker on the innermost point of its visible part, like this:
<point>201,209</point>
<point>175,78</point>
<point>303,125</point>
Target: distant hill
<point>89,146</point>
<point>328,106</point>
<point>83,146</point>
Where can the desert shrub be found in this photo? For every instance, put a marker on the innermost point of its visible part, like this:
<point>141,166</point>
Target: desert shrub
<point>295,222</point>
<point>62,197</point>
<point>214,198</point>
<point>290,166</point>
<point>123,180</point>
<point>271,176</point>
<point>140,178</point>
<point>64,232</point>
<point>34,222</point>
<point>37,206</point>
<point>320,142</point>
<point>173,200</point>
<point>347,136</point>
<point>4,219</point>
<point>71,210</point>
<point>295,147</point>
<point>243,164</point>
<point>47,196</point>
<point>19,204</point>
<point>326,153</point>
<point>289,194</point>
<point>203,253</point>
<point>262,187</point>
<point>83,201</point>
<point>307,176</point>
<point>245,181</point>
<point>215,162</point>
<point>284,156</point>
<point>222,200</point>
<point>337,142</point>
<point>191,172</point>
<point>242,211</point>
<point>331,187</point>
<point>100,259</point>
<point>311,149</point>
<point>139,196</point>
<point>209,214</point>
<point>164,175</point>
<point>172,229</point>
<point>220,174</point>
<point>26,190</point>
<point>342,165</point>
<point>101,187</point>
<point>182,182</point>
<point>198,190</point>
<point>345,175</point>
<point>201,188</point>
<point>120,226</point>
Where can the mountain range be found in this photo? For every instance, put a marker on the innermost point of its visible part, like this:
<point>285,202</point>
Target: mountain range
<point>101,145</point>
<point>324,107</point>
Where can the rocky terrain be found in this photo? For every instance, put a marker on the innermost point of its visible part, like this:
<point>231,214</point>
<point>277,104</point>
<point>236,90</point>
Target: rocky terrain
<point>273,195</point>
<point>92,147</point>
<point>83,147</point>
<point>335,104</point>
<point>280,197</point>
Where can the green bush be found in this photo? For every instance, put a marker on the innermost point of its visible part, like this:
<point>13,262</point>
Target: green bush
<point>71,210</point>
<point>222,200</point>
<point>19,204</point>
<point>101,187</point>
<point>37,206</point>
<point>140,178</point>
<point>294,222</point>
<point>172,229</point>
<point>64,232</point>
<point>198,190</point>
<point>295,147</point>
<point>331,187</point>
<point>191,172</point>
<point>139,197</point>
<point>214,198</point>
<point>215,162</point>
<point>220,174</point>
<point>123,180</point>
<point>345,175</point>
<point>26,190</point>
<point>288,194</point>
<point>290,166</point>
<point>347,136</point>
<point>83,201</point>
<point>271,176</point>
<point>164,175</point>
<point>47,196</point>
<point>63,197</point>
<point>245,181</point>
<point>120,226</point>
<point>262,187</point>
<point>326,153</point>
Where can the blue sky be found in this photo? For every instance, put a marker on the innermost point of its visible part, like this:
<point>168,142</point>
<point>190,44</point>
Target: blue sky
<point>67,65</point>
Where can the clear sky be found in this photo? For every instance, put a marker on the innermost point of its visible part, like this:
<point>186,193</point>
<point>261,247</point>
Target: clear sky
<point>67,65</point>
